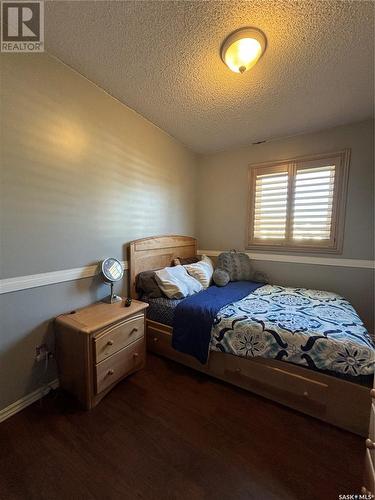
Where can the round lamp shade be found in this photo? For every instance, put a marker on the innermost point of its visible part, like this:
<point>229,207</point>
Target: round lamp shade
<point>243,48</point>
<point>112,270</point>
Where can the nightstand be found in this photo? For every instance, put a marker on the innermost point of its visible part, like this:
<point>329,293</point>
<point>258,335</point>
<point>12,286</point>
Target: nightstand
<point>98,346</point>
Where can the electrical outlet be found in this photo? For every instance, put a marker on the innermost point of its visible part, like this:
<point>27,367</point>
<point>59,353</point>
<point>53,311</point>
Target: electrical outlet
<point>41,352</point>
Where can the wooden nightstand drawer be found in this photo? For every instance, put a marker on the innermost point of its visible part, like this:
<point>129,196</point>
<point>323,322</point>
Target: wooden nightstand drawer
<point>372,422</point>
<point>112,340</point>
<point>369,478</point>
<point>110,370</point>
<point>370,445</point>
<point>370,441</point>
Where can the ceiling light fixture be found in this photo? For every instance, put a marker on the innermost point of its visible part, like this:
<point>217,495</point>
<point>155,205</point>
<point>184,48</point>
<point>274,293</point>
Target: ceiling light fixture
<point>243,48</point>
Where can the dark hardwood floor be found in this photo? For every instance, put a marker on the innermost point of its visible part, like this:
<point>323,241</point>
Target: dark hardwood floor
<point>170,433</point>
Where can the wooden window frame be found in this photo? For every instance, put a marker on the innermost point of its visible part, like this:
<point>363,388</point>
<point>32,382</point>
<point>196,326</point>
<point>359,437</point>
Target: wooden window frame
<point>335,243</point>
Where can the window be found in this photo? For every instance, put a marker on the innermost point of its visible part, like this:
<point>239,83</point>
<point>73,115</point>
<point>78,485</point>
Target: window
<point>298,204</point>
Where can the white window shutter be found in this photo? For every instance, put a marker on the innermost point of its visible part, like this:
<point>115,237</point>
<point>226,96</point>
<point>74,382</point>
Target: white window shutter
<point>270,211</point>
<point>313,203</point>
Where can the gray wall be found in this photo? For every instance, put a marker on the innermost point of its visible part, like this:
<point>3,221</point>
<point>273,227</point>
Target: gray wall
<point>26,321</point>
<point>82,175</point>
<point>222,209</point>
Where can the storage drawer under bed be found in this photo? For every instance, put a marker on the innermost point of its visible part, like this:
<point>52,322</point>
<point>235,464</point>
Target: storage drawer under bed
<point>253,374</point>
<point>276,382</point>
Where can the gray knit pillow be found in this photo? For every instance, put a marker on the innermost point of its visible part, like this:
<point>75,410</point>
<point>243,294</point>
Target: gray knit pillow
<point>220,277</point>
<point>237,265</point>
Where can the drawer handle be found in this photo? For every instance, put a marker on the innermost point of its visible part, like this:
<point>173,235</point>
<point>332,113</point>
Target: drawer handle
<point>372,393</point>
<point>110,372</point>
<point>136,355</point>
<point>306,394</point>
<point>134,330</point>
<point>370,444</point>
<point>238,370</point>
<point>110,342</point>
<point>155,340</point>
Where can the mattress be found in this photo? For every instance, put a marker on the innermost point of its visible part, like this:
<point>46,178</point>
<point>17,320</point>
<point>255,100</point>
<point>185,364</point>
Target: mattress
<point>161,309</point>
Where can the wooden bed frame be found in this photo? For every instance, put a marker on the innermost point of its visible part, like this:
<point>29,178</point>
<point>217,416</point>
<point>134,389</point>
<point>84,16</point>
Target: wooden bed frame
<point>336,401</point>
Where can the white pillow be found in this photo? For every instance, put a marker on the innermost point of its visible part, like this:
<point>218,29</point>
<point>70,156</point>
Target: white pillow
<point>208,261</point>
<point>176,283</point>
<point>202,271</point>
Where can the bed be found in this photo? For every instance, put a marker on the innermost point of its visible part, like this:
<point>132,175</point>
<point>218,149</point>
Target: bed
<point>297,373</point>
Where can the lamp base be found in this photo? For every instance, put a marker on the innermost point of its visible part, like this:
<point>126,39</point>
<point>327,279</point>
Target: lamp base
<point>112,299</point>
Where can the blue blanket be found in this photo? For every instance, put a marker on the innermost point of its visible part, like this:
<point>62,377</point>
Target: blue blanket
<point>195,315</point>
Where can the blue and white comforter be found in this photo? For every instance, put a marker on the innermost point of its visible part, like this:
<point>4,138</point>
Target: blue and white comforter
<point>312,328</point>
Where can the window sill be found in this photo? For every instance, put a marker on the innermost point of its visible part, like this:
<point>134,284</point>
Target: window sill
<point>295,248</point>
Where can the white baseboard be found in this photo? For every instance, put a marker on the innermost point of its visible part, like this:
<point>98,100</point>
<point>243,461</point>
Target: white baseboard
<point>22,403</point>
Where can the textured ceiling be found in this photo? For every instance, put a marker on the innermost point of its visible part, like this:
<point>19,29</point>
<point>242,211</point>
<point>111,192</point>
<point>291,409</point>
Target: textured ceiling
<point>162,59</point>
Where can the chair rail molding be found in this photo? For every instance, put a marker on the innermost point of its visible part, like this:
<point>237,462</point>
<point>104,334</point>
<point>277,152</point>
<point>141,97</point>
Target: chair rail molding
<point>18,283</point>
<point>300,259</point>
<point>9,285</point>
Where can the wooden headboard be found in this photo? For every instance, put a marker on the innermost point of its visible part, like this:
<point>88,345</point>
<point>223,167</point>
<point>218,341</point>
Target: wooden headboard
<point>156,252</point>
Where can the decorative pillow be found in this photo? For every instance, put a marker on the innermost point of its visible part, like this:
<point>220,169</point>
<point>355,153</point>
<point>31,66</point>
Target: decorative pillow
<point>237,265</point>
<point>220,277</point>
<point>202,271</point>
<point>176,283</point>
<point>208,261</point>
<point>146,284</point>
<point>182,261</point>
